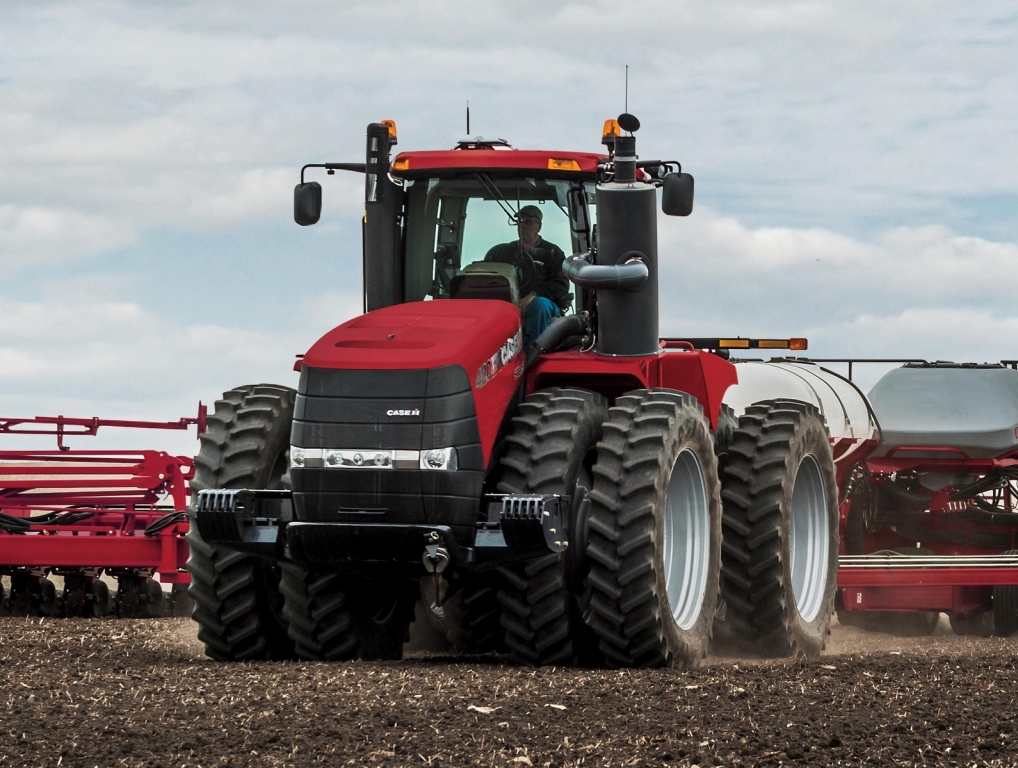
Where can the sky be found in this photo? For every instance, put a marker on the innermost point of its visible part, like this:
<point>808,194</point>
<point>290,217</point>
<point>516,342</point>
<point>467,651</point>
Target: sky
<point>855,163</point>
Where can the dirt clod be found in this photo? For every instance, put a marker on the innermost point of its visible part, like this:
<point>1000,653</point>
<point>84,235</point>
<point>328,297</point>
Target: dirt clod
<point>139,693</point>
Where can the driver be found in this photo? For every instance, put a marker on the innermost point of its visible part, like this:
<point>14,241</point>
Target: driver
<point>544,287</point>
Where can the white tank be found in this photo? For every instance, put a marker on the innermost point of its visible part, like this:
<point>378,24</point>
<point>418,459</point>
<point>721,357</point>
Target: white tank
<point>839,401</point>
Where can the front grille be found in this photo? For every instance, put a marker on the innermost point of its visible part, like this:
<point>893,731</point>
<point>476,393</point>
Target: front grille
<point>390,410</point>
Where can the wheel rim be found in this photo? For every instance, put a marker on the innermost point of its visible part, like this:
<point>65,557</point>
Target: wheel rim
<point>686,540</point>
<point>810,539</point>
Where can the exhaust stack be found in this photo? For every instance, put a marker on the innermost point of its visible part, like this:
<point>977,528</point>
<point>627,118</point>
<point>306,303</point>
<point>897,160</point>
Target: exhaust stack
<point>627,317</point>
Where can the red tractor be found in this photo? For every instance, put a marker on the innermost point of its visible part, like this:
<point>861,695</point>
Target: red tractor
<point>581,499</point>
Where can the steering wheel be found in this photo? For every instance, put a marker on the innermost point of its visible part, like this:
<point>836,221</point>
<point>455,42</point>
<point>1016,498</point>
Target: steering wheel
<point>526,270</point>
<point>522,262</point>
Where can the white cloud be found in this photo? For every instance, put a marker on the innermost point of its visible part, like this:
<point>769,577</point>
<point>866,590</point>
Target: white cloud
<point>719,273</point>
<point>927,333</point>
<point>259,192</point>
<point>36,235</point>
<point>806,110</point>
<point>961,335</point>
<point>823,135</point>
<point>333,308</point>
<point>68,353</point>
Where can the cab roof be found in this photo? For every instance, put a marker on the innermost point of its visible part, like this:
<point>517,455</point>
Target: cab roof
<point>543,163</point>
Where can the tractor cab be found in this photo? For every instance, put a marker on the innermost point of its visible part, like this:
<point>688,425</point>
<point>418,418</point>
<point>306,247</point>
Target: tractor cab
<point>457,225</point>
<point>434,219</point>
<point>461,217</point>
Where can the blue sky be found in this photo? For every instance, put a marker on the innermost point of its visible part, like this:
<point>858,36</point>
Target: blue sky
<point>857,179</point>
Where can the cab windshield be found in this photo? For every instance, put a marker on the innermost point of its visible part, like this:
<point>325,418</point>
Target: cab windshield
<point>453,222</point>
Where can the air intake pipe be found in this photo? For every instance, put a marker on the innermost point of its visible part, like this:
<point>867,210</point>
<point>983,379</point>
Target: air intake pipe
<point>383,203</point>
<point>630,275</point>
<point>549,339</point>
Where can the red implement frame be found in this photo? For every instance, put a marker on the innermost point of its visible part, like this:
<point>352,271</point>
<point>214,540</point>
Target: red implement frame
<point>103,510</point>
<point>960,577</point>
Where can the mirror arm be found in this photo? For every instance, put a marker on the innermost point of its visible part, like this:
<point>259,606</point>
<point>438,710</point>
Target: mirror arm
<point>355,167</point>
<point>652,163</point>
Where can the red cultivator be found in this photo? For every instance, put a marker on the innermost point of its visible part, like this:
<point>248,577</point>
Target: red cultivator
<point>86,514</point>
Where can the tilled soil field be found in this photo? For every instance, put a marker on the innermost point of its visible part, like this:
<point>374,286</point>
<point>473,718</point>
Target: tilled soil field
<point>140,693</point>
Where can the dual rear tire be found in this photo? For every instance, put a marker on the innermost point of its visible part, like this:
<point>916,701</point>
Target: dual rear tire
<point>655,532</point>
<point>781,539</point>
<point>551,450</point>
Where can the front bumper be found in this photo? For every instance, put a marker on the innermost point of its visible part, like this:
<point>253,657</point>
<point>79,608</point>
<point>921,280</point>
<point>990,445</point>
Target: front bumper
<point>260,522</point>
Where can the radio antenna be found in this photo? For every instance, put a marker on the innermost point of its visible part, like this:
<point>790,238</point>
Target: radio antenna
<point>627,88</point>
<point>468,118</point>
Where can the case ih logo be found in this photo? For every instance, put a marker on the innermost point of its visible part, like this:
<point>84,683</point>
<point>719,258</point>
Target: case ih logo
<point>494,364</point>
<point>403,412</point>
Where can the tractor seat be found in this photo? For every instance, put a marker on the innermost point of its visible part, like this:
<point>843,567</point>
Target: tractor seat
<point>486,280</point>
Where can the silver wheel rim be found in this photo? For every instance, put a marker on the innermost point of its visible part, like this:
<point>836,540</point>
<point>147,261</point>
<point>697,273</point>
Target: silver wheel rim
<point>686,545</point>
<point>809,540</point>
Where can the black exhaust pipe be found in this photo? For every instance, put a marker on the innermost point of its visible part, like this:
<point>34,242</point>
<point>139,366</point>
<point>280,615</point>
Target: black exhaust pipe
<point>627,314</point>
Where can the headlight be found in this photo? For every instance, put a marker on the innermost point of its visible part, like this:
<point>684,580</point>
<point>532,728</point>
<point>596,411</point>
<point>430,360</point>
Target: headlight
<point>439,459</point>
<point>435,459</point>
<point>305,457</point>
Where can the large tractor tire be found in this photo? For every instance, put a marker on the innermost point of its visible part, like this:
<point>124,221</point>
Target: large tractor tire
<point>728,422</point>
<point>482,614</point>
<point>551,450</point>
<point>335,617</point>
<point>780,561</point>
<point>1005,607</point>
<point>655,532</point>
<point>237,602</point>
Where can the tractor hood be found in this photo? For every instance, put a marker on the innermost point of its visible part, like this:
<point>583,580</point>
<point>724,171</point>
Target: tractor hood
<point>482,336</point>
<point>411,377</point>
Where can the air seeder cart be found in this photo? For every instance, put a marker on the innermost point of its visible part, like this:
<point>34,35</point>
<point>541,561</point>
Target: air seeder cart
<point>929,519</point>
<point>85,514</point>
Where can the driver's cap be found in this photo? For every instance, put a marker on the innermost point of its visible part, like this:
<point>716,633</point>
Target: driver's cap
<point>532,211</point>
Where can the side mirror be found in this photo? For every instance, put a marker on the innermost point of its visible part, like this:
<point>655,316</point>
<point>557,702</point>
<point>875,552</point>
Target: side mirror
<point>307,203</point>
<point>677,197</point>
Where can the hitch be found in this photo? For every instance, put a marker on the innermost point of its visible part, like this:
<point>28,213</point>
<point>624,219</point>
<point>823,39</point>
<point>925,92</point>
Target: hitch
<point>247,520</point>
<point>533,523</point>
<point>436,560</point>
